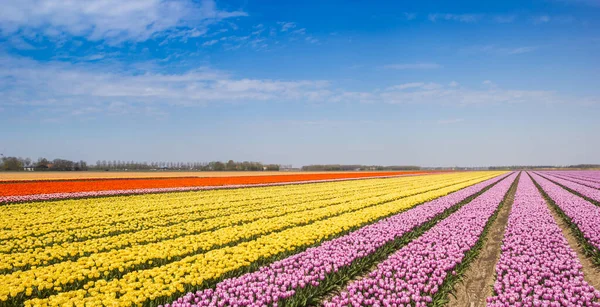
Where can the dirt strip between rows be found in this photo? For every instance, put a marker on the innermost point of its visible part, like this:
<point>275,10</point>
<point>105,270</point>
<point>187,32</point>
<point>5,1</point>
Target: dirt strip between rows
<point>479,278</point>
<point>591,273</point>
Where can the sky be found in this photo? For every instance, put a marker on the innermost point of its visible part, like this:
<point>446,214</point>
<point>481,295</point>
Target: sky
<point>430,83</point>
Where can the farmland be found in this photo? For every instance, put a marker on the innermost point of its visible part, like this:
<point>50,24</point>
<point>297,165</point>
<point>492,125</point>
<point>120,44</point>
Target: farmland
<point>90,175</point>
<point>331,239</point>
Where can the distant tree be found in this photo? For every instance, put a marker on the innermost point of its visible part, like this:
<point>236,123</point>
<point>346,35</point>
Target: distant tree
<point>12,164</point>
<point>42,163</point>
<point>80,166</point>
<point>272,167</point>
<point>218,166</point>
<point>62,165</point>
<point>230,165</point>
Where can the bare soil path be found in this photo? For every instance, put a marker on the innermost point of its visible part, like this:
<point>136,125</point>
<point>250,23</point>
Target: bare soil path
<point>591,273</point>
<point>479,278</point>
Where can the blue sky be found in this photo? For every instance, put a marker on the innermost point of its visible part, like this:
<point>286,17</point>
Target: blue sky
<point>431,83</point>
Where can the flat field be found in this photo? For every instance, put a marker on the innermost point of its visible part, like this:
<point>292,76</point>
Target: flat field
<point>398,241</point>
<point>34,176</point>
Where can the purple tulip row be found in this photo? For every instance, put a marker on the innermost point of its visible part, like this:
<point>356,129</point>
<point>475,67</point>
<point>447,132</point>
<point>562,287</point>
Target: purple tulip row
<point>581,212</point>
<point>585,182</point>
<point>282,279</point>
<point>579,188</point>
<point>537,267</point>
<point>593,176</point>
<point>59,196</point>
<point>585,175</point>
<point>414,274</point>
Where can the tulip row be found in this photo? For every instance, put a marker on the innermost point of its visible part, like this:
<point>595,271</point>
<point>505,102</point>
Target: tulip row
<point>14,193</point>
<point>248,223</point>
<point>165,215</point>
<point>593,176</point>
<point>586,182</point>
<point>301,276</point>
<point>225,222</point>
<point>537,267</point>
<point>590,193</point>
<point>173,277</point>
<point>418,274</point>
<point>34,220</point>
<point>22,188</point>
<point>585,215</point>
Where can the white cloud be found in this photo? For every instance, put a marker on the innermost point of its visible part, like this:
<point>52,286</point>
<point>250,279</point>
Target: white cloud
<point>210,42</point>
<point>496,50</point>
<point>300,31</point>
<point>540,19</point>
<point>464,96</point>
<point>311,40</point>
<point>286,26</point>
<point>94,87</point>
<point>33,83</point>
<point>467,18</point>
<point>450,121</point>
<point>406,86</point>
<point>413,66</point>
<point>488,83</point>
<point>521,50</point>
<point>20,43</point>
<point>113,21</point>
<point>453,84</point>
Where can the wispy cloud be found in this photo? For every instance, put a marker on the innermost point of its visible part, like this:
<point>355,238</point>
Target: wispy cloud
<point>300,31</point>
<point>406,86</point>
<point>19,43</point>
<point>286,26</point>
<point>260,37</point>
<point>414,85</point>
<point>450,121</point>
<point>497,50</point>
<point>467,18</point>
<point>210,42</point>
<point>540,19</point>
<point>311,40</point>
<point>413,66</point>
<point>113,21</point>
<point>521,50</point>
<point>94,87</point>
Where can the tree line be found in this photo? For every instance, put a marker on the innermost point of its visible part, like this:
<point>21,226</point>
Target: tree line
<point>43,164</point>
<point>179,166</point>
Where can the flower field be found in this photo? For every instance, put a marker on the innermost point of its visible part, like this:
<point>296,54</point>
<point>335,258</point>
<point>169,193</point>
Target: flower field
<point>148,185</point>
<point>390,241</point>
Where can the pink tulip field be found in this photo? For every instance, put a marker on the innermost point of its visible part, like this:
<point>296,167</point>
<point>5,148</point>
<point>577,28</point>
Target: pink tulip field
<point>537,267</point>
